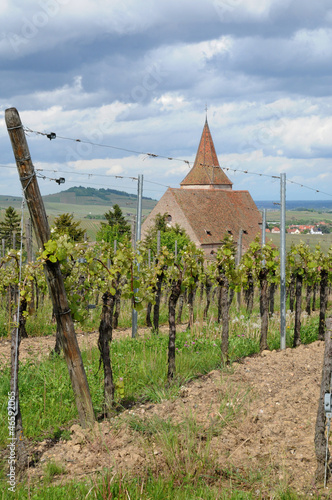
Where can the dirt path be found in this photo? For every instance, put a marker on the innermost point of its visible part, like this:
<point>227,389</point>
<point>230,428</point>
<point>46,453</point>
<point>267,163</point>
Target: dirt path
<point>274,397</point>
<point>38,347</point>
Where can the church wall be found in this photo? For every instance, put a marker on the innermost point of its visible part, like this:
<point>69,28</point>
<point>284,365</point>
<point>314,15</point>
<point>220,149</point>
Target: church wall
<point>167,204</point>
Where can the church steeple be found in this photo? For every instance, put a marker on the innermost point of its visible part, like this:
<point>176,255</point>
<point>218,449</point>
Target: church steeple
<point>206,172</point>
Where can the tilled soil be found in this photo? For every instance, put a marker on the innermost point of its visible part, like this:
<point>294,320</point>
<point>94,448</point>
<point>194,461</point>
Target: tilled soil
<point>261,414</point>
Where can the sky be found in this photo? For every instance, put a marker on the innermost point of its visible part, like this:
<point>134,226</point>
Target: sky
<point>130,78</point>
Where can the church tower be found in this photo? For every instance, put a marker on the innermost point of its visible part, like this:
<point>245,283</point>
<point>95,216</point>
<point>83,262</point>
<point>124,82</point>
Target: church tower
<point>206,172</point>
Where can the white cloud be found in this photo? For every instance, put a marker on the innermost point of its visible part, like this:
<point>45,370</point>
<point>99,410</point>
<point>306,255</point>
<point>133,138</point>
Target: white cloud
<point>137,76</point>
<point>240,10</point>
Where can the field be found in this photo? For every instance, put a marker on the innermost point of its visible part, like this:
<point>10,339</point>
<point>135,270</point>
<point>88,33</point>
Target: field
<point>299,216</point>
<point>324,240</point>
<point>93,206</point>
<point>84,204</point>
<point>242,431</point>
<point>306,217</point>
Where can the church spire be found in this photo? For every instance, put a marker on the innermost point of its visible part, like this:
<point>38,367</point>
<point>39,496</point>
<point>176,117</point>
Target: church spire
<point>206,172</point>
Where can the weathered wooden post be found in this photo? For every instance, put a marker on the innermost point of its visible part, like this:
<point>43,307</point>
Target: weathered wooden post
<point>52,270</point>
<point>320,430</point>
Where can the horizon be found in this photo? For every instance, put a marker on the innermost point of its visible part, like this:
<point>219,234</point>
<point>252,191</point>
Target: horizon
<point>321,203</point>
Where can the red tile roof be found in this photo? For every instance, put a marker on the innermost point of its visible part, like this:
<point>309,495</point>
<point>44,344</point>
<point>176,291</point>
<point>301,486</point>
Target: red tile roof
<point>206,169</point>
<point>214,213</point>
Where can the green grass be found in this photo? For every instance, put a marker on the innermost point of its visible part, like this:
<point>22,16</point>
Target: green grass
<point>38,325</point>
<point>114,486</point>
<point>46,397</point>
<point>53,469</point>
<point>48,409</point>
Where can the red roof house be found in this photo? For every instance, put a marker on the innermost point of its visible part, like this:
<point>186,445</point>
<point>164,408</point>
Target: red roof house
<point>206,206</point>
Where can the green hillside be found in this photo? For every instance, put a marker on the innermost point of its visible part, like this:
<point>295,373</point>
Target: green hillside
<point>88,205</point>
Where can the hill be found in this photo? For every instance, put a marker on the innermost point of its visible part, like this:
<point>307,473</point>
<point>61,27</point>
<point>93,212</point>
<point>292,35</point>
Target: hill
<point>91,196</point>
<point>85,202</point>
<point>88,205</point>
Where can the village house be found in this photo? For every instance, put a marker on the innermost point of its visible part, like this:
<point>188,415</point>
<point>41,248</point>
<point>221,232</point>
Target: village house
<point>206,205</point>
<point>303,229</point>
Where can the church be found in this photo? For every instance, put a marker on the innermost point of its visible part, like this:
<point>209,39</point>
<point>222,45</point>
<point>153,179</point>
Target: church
<point>206,205</point>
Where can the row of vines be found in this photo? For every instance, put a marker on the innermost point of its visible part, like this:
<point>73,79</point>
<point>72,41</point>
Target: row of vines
<point>96,273</point>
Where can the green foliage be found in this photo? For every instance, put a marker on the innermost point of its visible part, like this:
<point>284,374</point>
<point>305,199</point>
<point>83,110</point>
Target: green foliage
<point>259,258</point>
<point>324,229</point>
<point>168,235</point>
<point>302,261</point>
<point>115,217</point>
<point>116,228</point>
<point>191,263</point>
<point>64,224</point>
<point>116,486</point>
<point>9,226</point>
<point>225,262</point>
<point>53,469</point>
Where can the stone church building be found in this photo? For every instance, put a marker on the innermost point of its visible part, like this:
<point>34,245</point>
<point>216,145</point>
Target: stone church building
<point>206,205</point>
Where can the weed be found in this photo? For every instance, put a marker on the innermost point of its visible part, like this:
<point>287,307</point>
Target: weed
<point>53,469</point>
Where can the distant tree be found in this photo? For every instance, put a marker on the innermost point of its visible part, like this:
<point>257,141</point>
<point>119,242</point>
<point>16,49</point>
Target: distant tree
<point>116,228</point>
<point>64,224</point>
<point>324,229</point>
<point>8,226</point>
<point>168,235</point>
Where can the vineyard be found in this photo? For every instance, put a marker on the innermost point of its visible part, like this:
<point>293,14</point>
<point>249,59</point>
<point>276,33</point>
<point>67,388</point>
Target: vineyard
<point>197,316</point>
<point>217,313</point>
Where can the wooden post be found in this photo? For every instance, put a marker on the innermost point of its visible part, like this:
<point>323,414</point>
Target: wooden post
<point>320,429</point>
<point>158,242</point>
<point>28,246</point>
<point>52,270</point>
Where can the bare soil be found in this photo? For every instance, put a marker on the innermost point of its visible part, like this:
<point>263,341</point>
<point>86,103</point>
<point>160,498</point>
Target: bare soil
<point>274,397</point>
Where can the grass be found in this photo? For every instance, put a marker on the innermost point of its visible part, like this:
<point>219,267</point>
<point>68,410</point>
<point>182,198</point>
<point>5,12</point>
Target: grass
<point>53,469</point>
<point>190,472</point>
<point>111,486</point>
<point>47,401</point>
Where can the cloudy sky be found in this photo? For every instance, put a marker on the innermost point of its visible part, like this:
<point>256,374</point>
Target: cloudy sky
<point>138,76</point>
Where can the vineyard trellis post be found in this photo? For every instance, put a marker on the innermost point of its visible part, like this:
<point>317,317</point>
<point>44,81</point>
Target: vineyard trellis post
<point>158,242</point>
<point>263,226</point>
<point>238,260</point>
<point>28,239</point>
<point>57,291</point>
<point>138,237</point>
<point>283,261</point>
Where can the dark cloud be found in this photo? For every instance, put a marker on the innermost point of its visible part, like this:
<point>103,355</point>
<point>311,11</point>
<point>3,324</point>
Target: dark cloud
<point>148,70</point>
